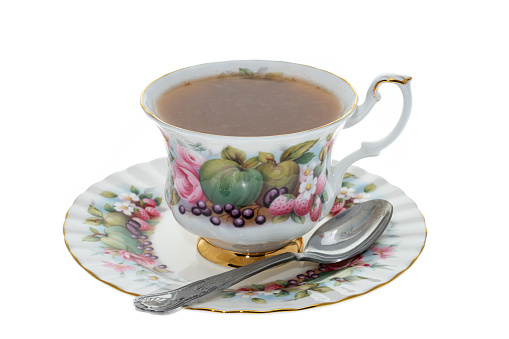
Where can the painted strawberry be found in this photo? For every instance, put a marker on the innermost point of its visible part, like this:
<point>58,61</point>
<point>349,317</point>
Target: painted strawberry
<point>282,205</point>
<point>144,226</point>
<point>338,206</point>
<point>302,206</point>
<point>142,214</point>
<point>316,209</point>
<point>152,212</point>
<point>320,184</point>
<point>147,202</point>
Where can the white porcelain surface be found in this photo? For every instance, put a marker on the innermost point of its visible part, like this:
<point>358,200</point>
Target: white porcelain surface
<point>178,262</point>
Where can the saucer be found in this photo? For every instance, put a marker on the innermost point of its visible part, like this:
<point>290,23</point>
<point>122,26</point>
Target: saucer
<point>137,253</point>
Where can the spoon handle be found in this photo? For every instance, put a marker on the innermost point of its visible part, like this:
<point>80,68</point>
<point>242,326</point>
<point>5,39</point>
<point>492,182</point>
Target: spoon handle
<point>174,300</point>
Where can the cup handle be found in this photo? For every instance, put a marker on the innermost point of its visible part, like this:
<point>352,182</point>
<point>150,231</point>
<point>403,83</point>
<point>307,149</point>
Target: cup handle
<point>373,148</point>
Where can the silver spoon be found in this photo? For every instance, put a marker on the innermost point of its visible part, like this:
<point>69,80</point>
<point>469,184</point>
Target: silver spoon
<point>344,236</point>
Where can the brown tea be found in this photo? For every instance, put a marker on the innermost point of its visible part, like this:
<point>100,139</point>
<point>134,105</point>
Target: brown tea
<point>240,106</point>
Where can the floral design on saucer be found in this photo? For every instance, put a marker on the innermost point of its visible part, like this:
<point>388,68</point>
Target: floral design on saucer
<point>109,209</point>
<point>122,225</point>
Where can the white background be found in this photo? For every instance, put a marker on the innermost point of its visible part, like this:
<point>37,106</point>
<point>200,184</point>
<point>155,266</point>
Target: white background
<point>71,74</point>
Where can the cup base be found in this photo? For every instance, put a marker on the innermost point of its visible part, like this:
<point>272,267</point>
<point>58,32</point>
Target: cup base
<point>228,258</point>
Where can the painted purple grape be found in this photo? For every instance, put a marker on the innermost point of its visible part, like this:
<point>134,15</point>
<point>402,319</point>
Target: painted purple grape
<point>196,211</point>
<point>322,269</point>
<point>155,257</point>
<point>215,221</point>
<point>269,197</point>
<point>146,243</point>
<point>148,255</point>
<point>302,276</point>
<point>218,209</point>
<point>141,247</point>
<point>134,223</point>
<point>260,220</point>
<point>182,209</point>
<point>201,205</point>
<point>310,272</point>
<point>143,237</point>
<point>293,282</point>
<point>314,276</point>
<point>239,222</point>
<point>162,266</point>
<point>228,208</point>
<point>283,190</point>
<point>206,212</point>
<point>133,230</point>
<point>235,213</point>
<point>248,213</point>
<point>149,248</point>
<point>134,236</point>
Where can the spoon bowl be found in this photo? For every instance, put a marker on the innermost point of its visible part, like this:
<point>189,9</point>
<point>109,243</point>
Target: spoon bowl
<point>344,236</point>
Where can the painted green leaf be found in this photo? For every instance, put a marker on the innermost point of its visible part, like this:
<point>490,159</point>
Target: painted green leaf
<point>265,157</point>
<point>347,184</point>
<point>329,136</point>
<point>135,189</point>
<point>108,194</point>
<point>370,188</point>
<point>175,198</point>
<point>95,221</point>
<point>337,283</point>
<point>245,72</point>
<point>141,272</point>
<point>109,208</point>
<point>90,238</point>
<point>305,158</point>
<point>93,230</point>
<point>229,295</point>
<point>251,163</point>
<point>282,282</point>
<point>145,195</point>
<point>258,300</point>
<point>282,294</point>
<point>152,222</point>
<point>295,152</point>
<point>233,154</point>
<point>324,197</point>
<point>94,211</point>
<point>354,278</point>
<point>258,287</point>
<point>280,218</point>
<point>322,289</point>
<point>301,294</point>
<point>348,175</point>
<point>160,270</point>
<point>158,201</point>
<point>304,287</point>
<point>297,218</point>
<point>318,170</point>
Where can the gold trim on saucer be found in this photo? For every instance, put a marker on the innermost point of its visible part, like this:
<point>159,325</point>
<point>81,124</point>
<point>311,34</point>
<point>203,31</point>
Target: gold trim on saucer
<point>228,258</point>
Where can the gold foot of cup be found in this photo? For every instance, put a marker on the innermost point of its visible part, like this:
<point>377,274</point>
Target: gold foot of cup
<point>228,258</point>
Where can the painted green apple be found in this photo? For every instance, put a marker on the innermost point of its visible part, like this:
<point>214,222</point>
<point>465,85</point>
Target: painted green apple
<point>120,238</point>
<point>284,174</point>
<point>227,182</point>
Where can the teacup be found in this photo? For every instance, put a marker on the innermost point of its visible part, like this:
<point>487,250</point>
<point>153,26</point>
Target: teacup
<point>237,218</point>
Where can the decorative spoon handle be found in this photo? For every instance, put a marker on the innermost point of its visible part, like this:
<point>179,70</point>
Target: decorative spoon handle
<point>173,301</point>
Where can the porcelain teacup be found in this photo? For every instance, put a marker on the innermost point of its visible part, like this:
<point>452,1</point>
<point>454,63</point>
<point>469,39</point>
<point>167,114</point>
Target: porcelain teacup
<point>266,191</point>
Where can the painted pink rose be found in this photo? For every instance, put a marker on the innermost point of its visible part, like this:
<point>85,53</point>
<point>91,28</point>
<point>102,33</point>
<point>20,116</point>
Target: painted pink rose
<point>191,159</point>
<point>187,182</point>
<point>118,267</point>
<point>139,259</point>
<point>383,251</point>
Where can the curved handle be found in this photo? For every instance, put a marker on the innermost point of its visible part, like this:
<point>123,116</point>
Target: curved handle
<point>371,149</point>
<point>175,300</point>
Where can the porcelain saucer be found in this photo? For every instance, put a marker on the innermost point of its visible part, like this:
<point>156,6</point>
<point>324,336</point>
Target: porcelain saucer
<point>159,254</point>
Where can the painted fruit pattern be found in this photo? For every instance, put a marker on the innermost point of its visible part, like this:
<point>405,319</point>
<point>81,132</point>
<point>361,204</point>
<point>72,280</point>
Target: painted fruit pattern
<point>234,189</point>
